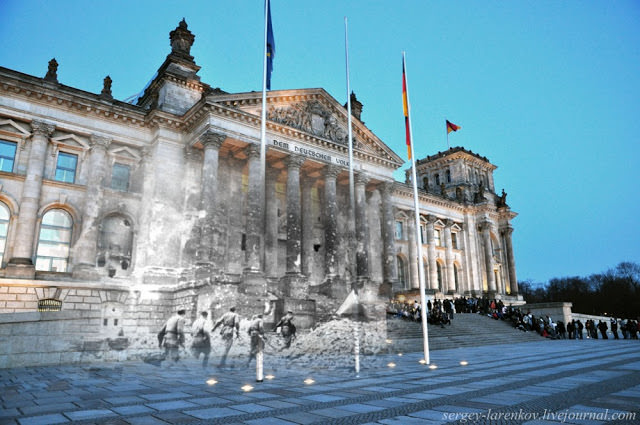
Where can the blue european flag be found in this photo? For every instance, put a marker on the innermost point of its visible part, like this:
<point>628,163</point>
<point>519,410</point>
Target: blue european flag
<point>271,46</point>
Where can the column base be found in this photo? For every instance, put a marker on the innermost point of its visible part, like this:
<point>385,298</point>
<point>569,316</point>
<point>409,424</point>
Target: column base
<point>20,268</point>
<point>86,272</point>
<point>253,283</point>
<point>295,285</point>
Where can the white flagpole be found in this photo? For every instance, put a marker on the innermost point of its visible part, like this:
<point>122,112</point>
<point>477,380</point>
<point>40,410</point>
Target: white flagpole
<point>263,154</point>
<point>352,204</point>
<point>423,315</point>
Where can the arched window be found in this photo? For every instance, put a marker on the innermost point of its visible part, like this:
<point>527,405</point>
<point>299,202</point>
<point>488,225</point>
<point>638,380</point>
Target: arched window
<point>440,285</point>
<point>4,228</point>
<point>437,179</point>
<point>448,174</point>
<point>54,241</point>
<point>402,272</point>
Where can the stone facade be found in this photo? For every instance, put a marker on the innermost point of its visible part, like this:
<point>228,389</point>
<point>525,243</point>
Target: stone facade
<point>165,200</point>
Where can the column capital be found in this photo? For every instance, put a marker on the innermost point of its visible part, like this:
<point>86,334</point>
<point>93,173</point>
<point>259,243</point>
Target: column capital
<point>99,142</point>
<point>331,171</point>
<point>211,139</point>
<point>252,151</point>
<point>361,179</point>
<point>294,161</point>
<point>386,188</point>
<point>507,230</point>
<point>431,219</point>
<point>41,128</point>
<point>484,226</point>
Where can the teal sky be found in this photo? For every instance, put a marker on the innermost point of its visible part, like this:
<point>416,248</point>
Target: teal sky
<point>549,91</point>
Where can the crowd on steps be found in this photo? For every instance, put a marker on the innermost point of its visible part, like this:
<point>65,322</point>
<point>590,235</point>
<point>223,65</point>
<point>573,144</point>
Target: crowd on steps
<point>441,313</point>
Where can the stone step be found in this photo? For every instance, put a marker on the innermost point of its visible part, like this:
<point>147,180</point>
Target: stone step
<point>466,330</point>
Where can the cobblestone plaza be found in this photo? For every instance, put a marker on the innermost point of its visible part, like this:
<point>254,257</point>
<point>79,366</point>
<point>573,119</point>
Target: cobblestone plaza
<point>536,383</point>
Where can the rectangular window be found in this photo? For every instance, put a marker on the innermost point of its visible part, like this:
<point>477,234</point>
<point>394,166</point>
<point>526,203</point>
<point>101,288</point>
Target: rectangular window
<point>120,177</point>
<point>454,240</point>
<point>423,234</point>
<point>7,155</point>
<point>66,167</point>
<point>436,237</point>
<point>399,234</point>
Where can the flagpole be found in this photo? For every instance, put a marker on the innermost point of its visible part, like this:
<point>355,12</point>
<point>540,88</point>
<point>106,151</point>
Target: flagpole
<point>446,128</point>
<point>352,204</point>
<point>263,155</point>
<point>418,238</point>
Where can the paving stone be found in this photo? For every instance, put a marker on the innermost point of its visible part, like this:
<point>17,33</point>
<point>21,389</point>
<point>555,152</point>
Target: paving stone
<point>132,410</point>
<point>268,421</point>
<point>55,418</point>
<point>145,420</point>
<point>302,418</point>
<point>322,397</point>
<point>172,405</point>
<point>82,415</point>
<point>212,413</point>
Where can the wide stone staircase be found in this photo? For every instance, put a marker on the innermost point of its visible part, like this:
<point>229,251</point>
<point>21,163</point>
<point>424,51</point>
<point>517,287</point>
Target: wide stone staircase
<point>466,330</point>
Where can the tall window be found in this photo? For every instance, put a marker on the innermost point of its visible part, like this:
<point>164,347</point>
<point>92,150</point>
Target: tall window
<point>437,179</point>
<point>7,155</point>
<point>448,174</point>
<point>66,167</point>
<point>399,234</point>
<point>454,240</point>
<point>402,272</point>
<point>120,177</point>
<point>423,234</point>
<point>54,241</point>
<point>4,227</point>
<point>439,267</point>
<point>436,237</point>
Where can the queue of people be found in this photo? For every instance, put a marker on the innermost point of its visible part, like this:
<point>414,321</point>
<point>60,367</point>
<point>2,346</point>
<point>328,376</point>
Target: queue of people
<point>441,312</point>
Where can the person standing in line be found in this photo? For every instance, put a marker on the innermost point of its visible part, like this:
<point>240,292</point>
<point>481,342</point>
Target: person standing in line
<point>614,328</point>
<point>174,336</point>
<point>201,343</point>
<point>230,322</point>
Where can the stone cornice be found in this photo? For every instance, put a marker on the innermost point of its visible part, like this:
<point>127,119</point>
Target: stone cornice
<point>34,89</point>
<point>452,155</point>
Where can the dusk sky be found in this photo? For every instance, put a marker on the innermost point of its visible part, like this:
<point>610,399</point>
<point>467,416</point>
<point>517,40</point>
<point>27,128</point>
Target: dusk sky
<point>549,91</point>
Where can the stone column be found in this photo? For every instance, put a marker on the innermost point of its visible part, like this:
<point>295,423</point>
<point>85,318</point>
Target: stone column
<point>485,228</point>
<point>255,210</point>
<point>209,243</point>
<point>431,253</point>
<point>308,221</point>
<point>294,228</point>
<point>30,201</point>
<point>330,222</point>
<point>389,266</point>
<point>271,224</point>
<point>86,246</point>
<point>511,264</point>
<point>414,277</point>
<point>451,280</point>
<point>362,227</point>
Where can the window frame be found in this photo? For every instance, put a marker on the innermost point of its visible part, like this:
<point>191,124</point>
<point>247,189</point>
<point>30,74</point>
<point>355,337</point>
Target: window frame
<point>128,182</point>
<point>48,242</point>
<point>62,153</point>
<point>13,159</point>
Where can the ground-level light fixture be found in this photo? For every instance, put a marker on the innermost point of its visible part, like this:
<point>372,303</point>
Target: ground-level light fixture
<point>211,381</point>
<point>464,363</point>
<point>391,364</point>
<point>309,381</point>
<point>432,366</point>
<point>246,388</point>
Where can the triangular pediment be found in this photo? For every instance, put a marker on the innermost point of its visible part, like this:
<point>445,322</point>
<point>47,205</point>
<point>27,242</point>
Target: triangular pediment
<point>317,115</point>
<point>71,140</point>
<point>123,152</point>
<point>11,126</point>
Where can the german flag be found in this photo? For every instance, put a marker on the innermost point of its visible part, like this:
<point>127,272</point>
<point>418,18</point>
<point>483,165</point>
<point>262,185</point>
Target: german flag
<point>452,127</point>
<point>405,107</point>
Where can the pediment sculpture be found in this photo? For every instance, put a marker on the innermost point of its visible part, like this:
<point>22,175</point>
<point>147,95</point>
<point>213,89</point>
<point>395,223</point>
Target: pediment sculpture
<point>310,117</point>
